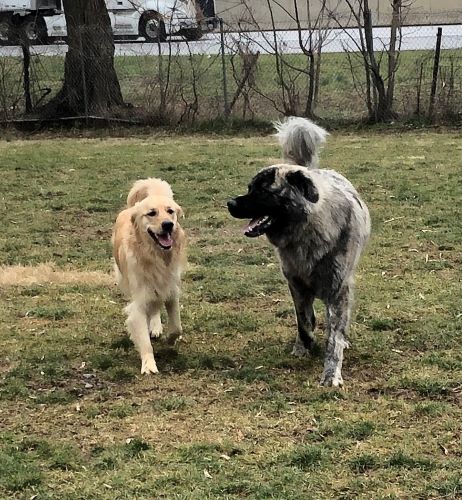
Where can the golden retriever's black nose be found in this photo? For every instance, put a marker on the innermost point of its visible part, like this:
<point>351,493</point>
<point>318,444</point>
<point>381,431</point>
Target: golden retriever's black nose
<point>167,226</point>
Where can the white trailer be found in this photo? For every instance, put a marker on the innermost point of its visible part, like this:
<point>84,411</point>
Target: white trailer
<point>153,20</point>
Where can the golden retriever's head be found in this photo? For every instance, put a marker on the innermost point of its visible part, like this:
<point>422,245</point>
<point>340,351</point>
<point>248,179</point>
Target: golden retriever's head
<point>156,218</point>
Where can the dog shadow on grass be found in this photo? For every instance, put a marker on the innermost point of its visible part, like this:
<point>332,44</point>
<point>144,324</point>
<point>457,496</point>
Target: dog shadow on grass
<point>255,362</point>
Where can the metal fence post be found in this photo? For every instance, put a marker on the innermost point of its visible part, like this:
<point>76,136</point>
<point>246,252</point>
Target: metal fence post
<point>436,65</point>
<point>25,47</point>
<point>223,67</point>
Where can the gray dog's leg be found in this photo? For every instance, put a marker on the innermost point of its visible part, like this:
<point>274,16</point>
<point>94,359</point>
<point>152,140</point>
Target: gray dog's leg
<point>338,314</point>
<point>306,321</point>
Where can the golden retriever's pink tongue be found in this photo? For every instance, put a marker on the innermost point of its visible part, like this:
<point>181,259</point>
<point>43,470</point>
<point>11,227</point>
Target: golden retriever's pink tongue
<point>165,240</point>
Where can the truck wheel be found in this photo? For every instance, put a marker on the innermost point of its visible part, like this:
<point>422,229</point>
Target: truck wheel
<point>192,34</point>
<point>152,28</point>
<point>35,29</point>
<point>4,32</point>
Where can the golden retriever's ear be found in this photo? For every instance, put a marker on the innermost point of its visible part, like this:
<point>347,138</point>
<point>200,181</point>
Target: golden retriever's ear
<point>133,215</point>
<point>179,211</point>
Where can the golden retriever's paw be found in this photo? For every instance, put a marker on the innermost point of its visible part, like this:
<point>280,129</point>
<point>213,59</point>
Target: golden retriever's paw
<point>148,365</point>
<point>155,333</point>
<point>155,327</point>
<point>173,337</point>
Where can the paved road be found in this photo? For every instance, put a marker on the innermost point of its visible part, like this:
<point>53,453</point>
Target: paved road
<point>413,38</point>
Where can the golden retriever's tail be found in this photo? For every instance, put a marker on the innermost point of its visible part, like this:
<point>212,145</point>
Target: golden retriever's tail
<point>147,187</point>
<point>301,140</point>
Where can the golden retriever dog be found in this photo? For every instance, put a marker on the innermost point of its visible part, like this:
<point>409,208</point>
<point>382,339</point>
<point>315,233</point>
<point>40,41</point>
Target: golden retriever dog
<point>149,253</point>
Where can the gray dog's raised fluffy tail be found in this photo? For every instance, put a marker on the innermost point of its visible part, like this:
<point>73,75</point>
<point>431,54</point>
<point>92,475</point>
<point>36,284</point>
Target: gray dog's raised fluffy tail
<point>301,140</point>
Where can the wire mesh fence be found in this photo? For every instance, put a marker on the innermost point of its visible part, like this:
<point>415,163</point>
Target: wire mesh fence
<point>254,74</point>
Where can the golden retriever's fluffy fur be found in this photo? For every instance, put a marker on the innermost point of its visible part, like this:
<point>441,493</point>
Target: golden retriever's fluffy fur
<point>149,253</point>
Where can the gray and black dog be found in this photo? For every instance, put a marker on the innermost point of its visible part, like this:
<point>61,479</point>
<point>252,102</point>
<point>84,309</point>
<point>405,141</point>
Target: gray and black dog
<point>319,225</point>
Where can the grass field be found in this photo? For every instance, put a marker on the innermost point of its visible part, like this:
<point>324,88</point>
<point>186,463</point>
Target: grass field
<point>232,414</point>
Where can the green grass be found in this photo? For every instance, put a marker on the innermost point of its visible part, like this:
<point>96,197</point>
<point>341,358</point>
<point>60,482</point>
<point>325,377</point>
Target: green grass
<point>232,414</point>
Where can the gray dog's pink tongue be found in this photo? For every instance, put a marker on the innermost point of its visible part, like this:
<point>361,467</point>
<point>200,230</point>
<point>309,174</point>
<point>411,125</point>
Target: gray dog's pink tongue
<point>165,240</point>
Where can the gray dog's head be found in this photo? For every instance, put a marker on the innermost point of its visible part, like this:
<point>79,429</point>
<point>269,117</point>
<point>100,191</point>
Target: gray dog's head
<point>278,197</point>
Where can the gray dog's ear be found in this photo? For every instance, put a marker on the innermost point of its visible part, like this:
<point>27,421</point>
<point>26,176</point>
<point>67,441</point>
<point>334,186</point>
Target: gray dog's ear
<point>304,184</point>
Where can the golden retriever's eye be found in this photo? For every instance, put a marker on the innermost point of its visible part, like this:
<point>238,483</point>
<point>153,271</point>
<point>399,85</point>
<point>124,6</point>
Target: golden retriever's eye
<point>152,213</point>
<point>170,211</point>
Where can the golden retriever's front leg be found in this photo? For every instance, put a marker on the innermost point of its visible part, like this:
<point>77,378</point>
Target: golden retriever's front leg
<point>137,326</point>
<point>155,324</point>
<point>174,328</point>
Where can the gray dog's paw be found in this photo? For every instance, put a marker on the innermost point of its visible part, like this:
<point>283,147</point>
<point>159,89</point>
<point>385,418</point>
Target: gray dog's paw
<point>331,379</point>
<point>300,351</point>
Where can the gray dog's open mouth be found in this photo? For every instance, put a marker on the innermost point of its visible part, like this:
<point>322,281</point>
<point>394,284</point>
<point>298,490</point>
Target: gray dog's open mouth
<point>164,240</point>
<point>258,226</point>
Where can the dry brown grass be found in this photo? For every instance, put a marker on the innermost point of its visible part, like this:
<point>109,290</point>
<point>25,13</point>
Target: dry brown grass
<point>49,273</point>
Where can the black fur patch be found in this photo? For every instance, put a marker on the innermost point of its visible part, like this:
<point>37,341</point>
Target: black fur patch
<point>304,184</point>
<point>263,180</point>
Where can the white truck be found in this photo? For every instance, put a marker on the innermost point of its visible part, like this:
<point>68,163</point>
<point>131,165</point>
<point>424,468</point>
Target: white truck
<point>153,20</point>
<point>27,15</point>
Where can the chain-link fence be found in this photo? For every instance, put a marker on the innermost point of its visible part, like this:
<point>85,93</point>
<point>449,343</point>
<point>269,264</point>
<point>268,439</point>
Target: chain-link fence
<point>255,74</point>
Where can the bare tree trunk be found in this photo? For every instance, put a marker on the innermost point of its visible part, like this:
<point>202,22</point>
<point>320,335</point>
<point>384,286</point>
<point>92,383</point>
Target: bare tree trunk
<point>392,55</point>
<point>279,70</point>
<point>25,47</point>
<point>382,111</point>
<point>317,75</point>
<point>90,83</point>
<point>309,107</point>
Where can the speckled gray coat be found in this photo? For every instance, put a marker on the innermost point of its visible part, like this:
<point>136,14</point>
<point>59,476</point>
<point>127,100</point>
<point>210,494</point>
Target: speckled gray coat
<point>319,225</point>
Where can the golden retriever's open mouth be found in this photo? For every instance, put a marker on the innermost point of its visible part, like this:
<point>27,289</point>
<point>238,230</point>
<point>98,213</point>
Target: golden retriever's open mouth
<point>164,240</point>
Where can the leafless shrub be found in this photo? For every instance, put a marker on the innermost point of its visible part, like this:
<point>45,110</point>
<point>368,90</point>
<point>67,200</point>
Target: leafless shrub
<point>450,87</point>
<point>298,79</point>
<point>244,74</point>
<point>379,86</point>
<point>10,87</point>
<point>258,74</point>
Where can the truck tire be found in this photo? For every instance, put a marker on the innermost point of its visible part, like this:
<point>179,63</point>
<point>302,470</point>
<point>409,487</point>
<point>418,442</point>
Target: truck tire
<point>5,28</point>
<point>152,28</point>
<point>192,34</point>
<point>35,29</point>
